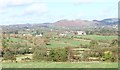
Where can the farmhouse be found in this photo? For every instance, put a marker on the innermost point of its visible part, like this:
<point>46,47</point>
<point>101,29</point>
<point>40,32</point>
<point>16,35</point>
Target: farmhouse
<point>40,35</point>
<point>27,35</point>
<point>80,32</point>
<point>62,34</point>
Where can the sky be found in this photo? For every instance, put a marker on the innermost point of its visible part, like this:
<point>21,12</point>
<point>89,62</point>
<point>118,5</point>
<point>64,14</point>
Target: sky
<point>49,11</point>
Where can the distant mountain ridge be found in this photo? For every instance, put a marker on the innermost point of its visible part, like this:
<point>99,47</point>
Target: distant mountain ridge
<point>108,21</point>
<point>75,23</point>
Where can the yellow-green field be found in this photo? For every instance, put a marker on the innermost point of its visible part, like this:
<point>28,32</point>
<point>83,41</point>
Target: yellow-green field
<point>60,65</point>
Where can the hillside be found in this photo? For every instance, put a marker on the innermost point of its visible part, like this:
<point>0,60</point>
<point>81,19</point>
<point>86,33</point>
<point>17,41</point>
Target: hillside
<point>78,23</point>
<point>108,21</point>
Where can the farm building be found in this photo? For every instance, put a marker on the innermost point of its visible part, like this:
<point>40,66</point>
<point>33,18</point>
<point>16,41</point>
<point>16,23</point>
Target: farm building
<point>40,35</point>
<point>80,33</point>
<point>27,35</point>
<point>62,34</point>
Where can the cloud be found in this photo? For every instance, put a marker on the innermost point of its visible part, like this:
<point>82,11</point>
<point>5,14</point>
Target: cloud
<point>33,9</point>
<point>36,8</point>
<point>22,7</point>
<point>21,11</point>
<point>5,3</point>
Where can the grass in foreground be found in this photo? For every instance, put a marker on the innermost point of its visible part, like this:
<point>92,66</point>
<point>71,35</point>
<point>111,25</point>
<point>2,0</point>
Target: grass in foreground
<point>60,65</point>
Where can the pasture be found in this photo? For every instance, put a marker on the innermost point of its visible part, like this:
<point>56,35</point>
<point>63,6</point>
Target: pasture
<point>98,37</point>
<point>67,41</point>
<point>79,40</point>
<point>60,65</point>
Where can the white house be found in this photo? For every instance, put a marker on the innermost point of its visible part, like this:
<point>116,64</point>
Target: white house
<point>40,35</point>
<point>27,35</point>
<point>62,34</point>
<point>81,33</point>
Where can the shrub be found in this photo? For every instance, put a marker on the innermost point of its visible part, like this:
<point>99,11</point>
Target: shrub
<point>58,54</point>
<point>114,42</point>
<point>39,54</point>
<point>108,56</point>
<point>93,43</point>
<point>9,55</point>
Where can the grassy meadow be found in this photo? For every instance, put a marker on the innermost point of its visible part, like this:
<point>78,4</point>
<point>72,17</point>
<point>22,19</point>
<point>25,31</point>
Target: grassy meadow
<point>78,40</point>
<point>75,42</point>
<point>60,65</point>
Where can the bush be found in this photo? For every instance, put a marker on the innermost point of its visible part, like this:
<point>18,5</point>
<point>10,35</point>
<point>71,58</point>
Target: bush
<point>58,54</point>
<point>93,43</point>
<point>40,54</point>
<point>108,56</point>
<point>9,55</point>
<point>114,43</point>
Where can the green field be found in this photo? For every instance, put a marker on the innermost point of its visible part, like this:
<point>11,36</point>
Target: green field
<point>65,42</point>
<point>12,39</point>
<point>98,37</point>
<point>60,65</point>
<point>74,42</point>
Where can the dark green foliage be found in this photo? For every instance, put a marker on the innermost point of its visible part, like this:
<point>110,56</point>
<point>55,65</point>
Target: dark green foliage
<point>40,54</point>
<point>4,43</point>
<point>16,32</point>
<point>95,54</point>
<point>114,42</point>
<point>58,54</point>
<point>9,55</point>
<point>93,43</point>
<point>24,51</point>
<point>21,51</point>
